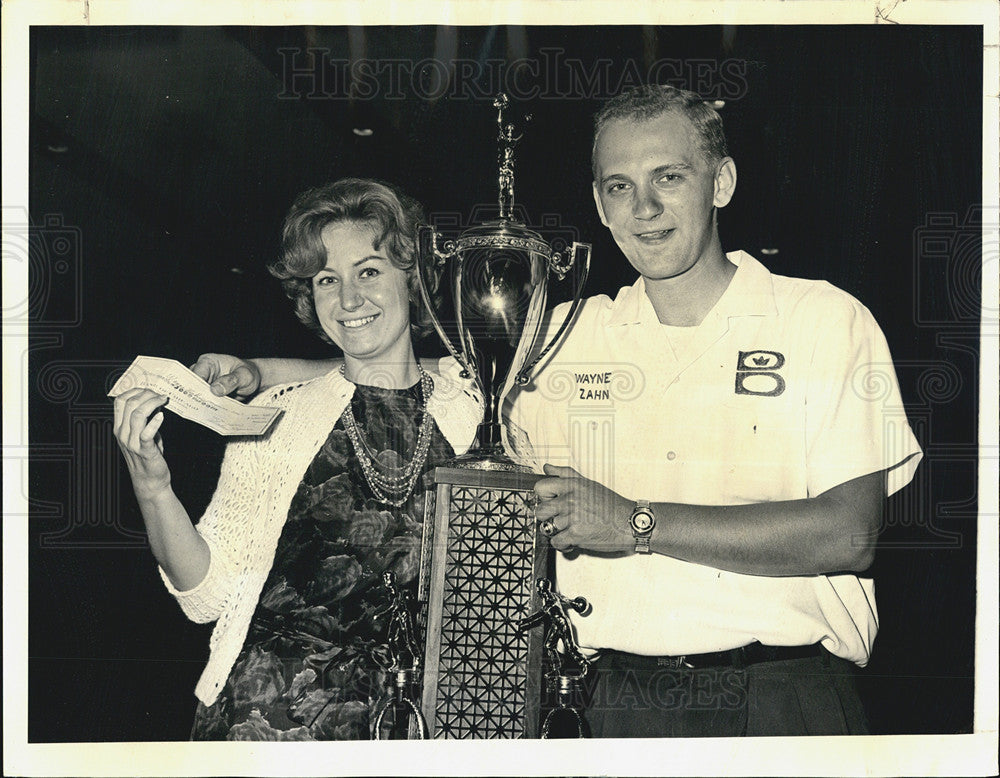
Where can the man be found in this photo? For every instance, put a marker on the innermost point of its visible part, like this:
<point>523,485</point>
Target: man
<point>716,472</point>
<point>723,473</point>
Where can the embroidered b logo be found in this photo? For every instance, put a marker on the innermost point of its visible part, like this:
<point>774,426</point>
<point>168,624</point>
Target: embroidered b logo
<point>756,373</point>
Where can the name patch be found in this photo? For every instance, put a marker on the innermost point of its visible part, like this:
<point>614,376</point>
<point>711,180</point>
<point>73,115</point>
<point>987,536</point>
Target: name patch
<point>593,386</point>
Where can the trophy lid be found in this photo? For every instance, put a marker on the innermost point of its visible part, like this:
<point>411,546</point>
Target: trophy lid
<point>505,232</point>
<point>506,140</point>
<point>502,233</point>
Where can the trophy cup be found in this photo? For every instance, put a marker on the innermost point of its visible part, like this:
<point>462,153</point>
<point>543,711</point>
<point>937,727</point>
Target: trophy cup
<point>498,273</point>
<point>482,551</point>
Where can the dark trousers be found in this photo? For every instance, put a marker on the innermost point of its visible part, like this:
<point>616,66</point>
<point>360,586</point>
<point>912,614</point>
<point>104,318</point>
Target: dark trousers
<point>635,696</point>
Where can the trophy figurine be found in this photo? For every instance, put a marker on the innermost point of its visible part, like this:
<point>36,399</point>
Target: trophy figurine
<point>482,551</point>
<point>404,650</point>
<point>498,273</point>
<point>568,669</point>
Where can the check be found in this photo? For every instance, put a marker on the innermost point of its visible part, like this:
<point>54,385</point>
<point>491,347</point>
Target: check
<point>191,397</point>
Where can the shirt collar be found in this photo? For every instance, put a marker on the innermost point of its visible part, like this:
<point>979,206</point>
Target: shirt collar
<point>750,293</point>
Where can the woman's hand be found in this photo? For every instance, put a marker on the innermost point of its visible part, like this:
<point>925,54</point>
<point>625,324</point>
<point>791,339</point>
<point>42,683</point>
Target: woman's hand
<point>176,544</point>
<point>227,374</point>
<point>138,416</point>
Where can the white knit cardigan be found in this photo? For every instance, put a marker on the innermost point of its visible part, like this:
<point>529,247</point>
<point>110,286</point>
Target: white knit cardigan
<point>259,477</point>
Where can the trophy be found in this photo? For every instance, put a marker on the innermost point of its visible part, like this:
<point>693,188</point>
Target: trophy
<point>482,552</point>
<point>498,273</point>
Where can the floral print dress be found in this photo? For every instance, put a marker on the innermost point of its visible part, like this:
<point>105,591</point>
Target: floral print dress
<point>314,663</point>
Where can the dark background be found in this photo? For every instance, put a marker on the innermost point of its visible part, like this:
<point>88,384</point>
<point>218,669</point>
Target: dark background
<point>163,159</point>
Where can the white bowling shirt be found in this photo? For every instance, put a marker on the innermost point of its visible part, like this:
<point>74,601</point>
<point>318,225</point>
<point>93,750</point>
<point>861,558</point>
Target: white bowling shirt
<point>785,390</point>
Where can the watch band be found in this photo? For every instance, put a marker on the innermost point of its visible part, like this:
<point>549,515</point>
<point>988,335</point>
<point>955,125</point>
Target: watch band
<point>642,521</point>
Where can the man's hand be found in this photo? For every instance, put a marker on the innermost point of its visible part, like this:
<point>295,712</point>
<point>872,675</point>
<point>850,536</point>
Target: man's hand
<point>228,374</point>
<point>583,513</point>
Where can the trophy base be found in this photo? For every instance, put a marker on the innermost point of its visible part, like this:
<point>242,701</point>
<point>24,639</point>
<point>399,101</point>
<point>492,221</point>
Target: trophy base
<point>488,460</point>
<point>481,560</point>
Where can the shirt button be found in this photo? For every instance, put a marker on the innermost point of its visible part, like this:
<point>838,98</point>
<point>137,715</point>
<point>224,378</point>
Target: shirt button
<point>671,456</point>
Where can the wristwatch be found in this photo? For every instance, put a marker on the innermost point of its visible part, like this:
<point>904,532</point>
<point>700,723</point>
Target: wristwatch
<point>642,522</point>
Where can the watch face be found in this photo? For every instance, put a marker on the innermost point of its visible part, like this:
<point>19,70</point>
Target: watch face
<point>642,521</point>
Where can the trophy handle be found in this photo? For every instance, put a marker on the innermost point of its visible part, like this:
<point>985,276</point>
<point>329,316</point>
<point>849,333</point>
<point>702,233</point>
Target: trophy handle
<point>427,251</point>
<point>581,253</point>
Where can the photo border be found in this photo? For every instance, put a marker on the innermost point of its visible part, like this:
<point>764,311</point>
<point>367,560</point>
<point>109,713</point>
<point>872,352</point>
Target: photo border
<point>974,754</point>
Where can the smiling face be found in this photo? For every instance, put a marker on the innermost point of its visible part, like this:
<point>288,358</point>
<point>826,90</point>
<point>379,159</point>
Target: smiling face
<point>361,297</point>
<point>657,193</point>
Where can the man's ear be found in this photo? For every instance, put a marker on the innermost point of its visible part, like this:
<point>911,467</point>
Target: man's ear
<point>725,182</point>
<point>600,208</point>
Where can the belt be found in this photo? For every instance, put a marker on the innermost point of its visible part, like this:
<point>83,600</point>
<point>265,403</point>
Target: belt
<point>744,656</point>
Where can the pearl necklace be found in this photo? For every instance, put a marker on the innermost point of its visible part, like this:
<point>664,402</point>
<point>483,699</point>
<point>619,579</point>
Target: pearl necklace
<point>392,485</point>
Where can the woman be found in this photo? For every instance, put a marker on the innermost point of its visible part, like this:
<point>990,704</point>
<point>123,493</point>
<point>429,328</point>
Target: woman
<point>290,555</point>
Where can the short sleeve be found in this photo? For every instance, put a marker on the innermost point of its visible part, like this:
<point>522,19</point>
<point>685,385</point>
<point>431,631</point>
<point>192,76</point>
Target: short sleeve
<point>203,602</point>
<point>855,421</point>
<point>517,442</point>
<point>456,404</point>
<point>448,367</point>
<point>532,426</point>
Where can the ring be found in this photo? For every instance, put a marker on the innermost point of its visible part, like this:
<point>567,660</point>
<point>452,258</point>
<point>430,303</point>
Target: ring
<point>548,528</point>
